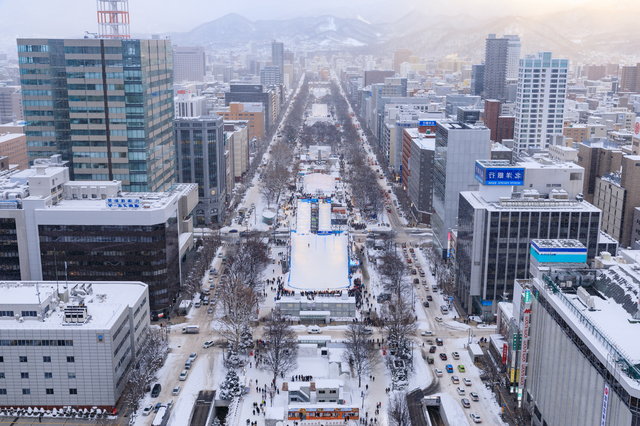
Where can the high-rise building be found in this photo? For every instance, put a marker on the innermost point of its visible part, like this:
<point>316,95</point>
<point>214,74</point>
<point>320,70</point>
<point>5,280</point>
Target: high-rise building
<point>98,231</point>
<point>188,104</point>
<point>495,67</point>
<point>277,58</point>
<point>400,56</point>
<point>201,149</point>
<point>376,76</point>
<point>189,63</point>
<point>252,113</point>
<point>420,184</point>
<point>630,79</point>
<point>253,93</point>
<point>542,83</point>
<point>106,106</point>
<point>513,57</point>
<point>477,79</point>
<point>458,146</point>
<point>14,147</point>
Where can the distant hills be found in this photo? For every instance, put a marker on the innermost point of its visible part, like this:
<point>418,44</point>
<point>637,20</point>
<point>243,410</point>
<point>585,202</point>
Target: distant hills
<point>606,34</point>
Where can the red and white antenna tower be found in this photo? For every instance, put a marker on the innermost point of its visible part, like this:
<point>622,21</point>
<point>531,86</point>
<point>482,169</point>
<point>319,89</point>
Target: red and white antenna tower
<point>113,19</point>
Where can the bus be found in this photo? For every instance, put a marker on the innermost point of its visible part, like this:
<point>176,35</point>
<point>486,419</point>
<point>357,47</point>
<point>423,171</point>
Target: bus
<point>323,413</point>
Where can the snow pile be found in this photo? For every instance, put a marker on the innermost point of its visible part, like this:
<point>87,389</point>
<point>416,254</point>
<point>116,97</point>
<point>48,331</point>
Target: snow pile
<point>319,262</point>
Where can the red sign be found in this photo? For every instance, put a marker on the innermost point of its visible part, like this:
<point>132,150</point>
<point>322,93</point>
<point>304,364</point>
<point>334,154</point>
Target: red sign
<point>505,349</point>
<point>636,128</point>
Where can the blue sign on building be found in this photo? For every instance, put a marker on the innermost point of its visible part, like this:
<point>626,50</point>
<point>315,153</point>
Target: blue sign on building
<point>512,176</point>
<point>431,123</point>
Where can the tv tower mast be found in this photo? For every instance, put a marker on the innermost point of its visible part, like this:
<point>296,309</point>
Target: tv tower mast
<point>113,19</point>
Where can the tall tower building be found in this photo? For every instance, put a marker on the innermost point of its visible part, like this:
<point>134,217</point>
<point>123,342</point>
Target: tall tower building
<point>277,57</point>
<point>189,63</point>
<point>495,68</point>
<point>513,57</point>
<point>542,83</point>
<point>105,105</point>
<point>113,19</point>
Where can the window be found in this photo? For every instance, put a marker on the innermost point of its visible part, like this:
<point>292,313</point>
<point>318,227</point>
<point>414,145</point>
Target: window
<point>24,375</point>
<point>3,391</point>
<point>1,359</point>
<point>49,391</point>
<point>71,359</point>
<point>26,391</point>
<point>46,359</point>
<point>23,359</point>
<point>2,376</point>
<point>73,391</point>
<point>48,375</point>
<point>71,375</point>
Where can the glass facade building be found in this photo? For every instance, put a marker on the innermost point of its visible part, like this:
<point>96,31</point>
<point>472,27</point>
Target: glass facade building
<point>105,105</point>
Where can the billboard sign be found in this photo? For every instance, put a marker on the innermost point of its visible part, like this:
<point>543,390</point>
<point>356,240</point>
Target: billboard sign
<point>431,123</point>
<point>605,403</point>
<point>636,128</point>
<point>505,350</point>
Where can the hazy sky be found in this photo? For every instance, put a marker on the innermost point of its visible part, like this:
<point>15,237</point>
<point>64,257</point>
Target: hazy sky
<point>68,18</point>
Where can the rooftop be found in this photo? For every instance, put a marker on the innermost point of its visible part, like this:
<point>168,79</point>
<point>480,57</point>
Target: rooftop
<point>558,244</point>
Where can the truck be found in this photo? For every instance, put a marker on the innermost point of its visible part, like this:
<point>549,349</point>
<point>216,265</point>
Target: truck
<point>183,309</point>
<point>191,329</point>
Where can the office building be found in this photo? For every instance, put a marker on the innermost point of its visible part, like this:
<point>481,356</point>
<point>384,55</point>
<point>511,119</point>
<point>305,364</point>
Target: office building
<point>201,147</point>
<point>376,76</point>
<point>515,204</point>
<point>400,56</point>
<point>253,113</point>
<point>598,158</point>
<point>420,181</point>
<point>69,343</point>
<point>188,104</point>
<point>58,229</point>
<point>540,101</point>
<point>106,106</point>
<point>238,137</point>
<point>454,100</point>
<point>578,326</point>
<point>189,63</point>
<point>468,115</point>
<point>630,79</point>
<point>14,147</point>
<point>277,59</point>
<point>495,67</point>
<point>270,75</point>
<point>458,146</point>
<point>254,93</point>
<point>11,108</point>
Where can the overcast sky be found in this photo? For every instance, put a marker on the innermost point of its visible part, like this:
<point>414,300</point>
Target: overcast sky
<point>68,18</point>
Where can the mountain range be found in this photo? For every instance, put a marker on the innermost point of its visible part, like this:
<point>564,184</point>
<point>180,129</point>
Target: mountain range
<point>584,34</point>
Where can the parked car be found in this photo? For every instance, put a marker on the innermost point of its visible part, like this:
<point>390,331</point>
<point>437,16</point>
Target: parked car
<point>449,368</point>
<point>176,390</point>
<point>455,380</point>
<point>439,341</point>
<point>432,349</point>
<point>438,372</point>
<point>210,310</point>
<point>467,381</point>
<point>193,356</point>
<point>465,403</point>
<point>460,390</point>
<point>183,375</point>
<point>209,343</point>
<point>455,355</point>
<point>461,368</point>
<point>427,333</point>
<point>443,357</point>
<point>147,410</point>
<point>314,329</point>
<point>474,396</point>
<point>156,390</point>
<point>157,407</point>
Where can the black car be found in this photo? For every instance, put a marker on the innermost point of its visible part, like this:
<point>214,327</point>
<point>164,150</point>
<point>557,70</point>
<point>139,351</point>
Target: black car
<point>155,392</point>
<point>425,304</point>
<point>416,281</point>
<point>432,349</point>
<point>429,298</point>
<point>443,357</point>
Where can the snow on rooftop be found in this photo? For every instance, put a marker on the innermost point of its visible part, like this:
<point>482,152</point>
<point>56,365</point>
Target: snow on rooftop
<point>319,262</point>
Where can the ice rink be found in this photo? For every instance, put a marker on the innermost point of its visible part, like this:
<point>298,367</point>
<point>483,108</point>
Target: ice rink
<point>319,262</point>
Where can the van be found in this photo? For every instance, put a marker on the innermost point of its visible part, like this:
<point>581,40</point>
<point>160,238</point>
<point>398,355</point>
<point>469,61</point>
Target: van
<point>197,304</point>
<point>206,300</point>
<point>430,359</point>
<point>187,364</point>
<point>314,329</point>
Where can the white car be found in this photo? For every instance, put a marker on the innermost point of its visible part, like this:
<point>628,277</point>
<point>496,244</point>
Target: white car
<point>476,418</point>
<point>193,356</point>
<point>176,390</point>
<point>314,329</point>
<point>438,372</point>
<point>183,375</point>
<point>147,410</point>
<point>427,333</point>
<point>466,381</point>
<point>460,390</point>
<point>438,319</point>
<point>208,344</point>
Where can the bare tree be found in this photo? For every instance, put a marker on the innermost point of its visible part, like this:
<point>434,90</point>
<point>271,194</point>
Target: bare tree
<point>150,356</point>
<point>249,260</point>
<point>398,410</point>
<point>393,270</point>
<point>281,351</point>
<point>239,306</point>
<point>274,183</point>
<point>359,351</point>
<point>399,323</point>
